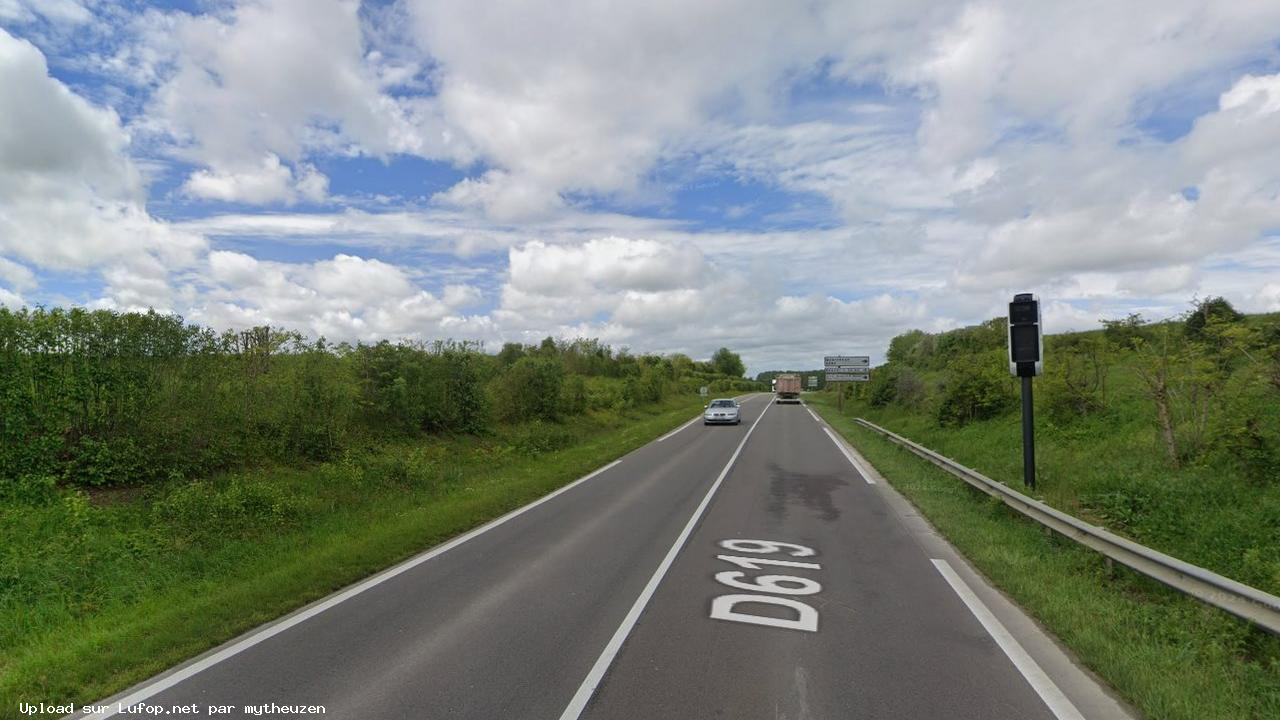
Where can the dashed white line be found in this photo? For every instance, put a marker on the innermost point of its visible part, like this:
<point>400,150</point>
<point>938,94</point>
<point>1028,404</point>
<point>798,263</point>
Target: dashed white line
<point>168,681</point>
<point>814,416</point>
<point>1052,696</point>
<point>852,460</point>
<point>580,699</point>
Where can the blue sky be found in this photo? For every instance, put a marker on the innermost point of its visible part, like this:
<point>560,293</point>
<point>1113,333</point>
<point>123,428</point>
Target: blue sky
<point>791,180</point>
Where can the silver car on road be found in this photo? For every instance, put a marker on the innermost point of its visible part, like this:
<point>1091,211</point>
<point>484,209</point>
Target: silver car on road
<point>725,411</point>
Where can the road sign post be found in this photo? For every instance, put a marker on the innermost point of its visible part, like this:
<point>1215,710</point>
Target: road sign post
<point>1026,350</point>
<point>842,369</point>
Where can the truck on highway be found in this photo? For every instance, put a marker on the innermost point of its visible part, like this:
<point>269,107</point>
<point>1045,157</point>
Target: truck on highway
<point>787,389</point>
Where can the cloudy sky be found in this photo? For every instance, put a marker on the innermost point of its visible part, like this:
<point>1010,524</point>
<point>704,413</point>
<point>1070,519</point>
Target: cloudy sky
<point>789,179</point>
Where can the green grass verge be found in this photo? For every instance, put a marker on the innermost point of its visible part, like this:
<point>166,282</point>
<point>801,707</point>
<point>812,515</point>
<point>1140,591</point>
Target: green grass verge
<point>1171,657</point>
<point>98,594</point>
<point>1108,467</point>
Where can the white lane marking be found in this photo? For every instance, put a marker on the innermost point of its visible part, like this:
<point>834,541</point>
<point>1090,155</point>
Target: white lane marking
<point>1052,696</point>
<point>673,432</point>
<point>815,417</point>
<point>265,633</point>
<point>589,684</point>
<point>852,460</point>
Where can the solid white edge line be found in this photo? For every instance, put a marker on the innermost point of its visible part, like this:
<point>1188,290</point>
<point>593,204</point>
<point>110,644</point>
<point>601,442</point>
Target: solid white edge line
<point>589,684</point>
<point>280,626</point>
<point>814,416</point>
<point>1052,696</point>
<point>673,432</point>
<point>852,460</point>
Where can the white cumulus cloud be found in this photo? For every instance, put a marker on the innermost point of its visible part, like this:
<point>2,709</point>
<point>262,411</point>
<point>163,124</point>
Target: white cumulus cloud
<point>70,197</point>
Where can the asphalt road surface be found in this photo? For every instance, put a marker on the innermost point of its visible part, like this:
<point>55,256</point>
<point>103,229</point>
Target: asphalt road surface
<point>756,571</point>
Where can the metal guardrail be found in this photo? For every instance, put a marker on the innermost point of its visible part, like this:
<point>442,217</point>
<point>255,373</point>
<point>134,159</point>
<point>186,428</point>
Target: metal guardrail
<point>1243,601</point>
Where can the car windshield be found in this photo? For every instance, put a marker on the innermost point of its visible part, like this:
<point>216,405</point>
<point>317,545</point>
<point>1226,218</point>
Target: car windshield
<point>721,403</point>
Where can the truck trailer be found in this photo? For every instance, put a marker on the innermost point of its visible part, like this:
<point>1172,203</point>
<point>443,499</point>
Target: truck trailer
<point>787,389</point>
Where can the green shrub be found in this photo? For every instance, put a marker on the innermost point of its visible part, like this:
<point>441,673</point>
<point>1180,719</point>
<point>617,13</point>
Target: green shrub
<point>1074,384</point>
<point>529,390</point>
<point>977,387</point>
<point>647,387</point>
<point>239,505</point>
<point>911,391</point>
<point>29,490</point>
<point>604,395</point>
<point>882,389</point>
<point>573,395</point>
<point>414,468</point>
<point>1245,433</point>
<point>541,437</point>
<point>99,463</point>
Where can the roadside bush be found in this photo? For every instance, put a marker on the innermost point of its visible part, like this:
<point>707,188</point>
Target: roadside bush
<point>238,505</point>
<point>893,382</point>
<point>409,389</point>
<point>100,463</point>
<point>911,391</point>
<point>540,437</point>
<point>726,385</point>
<point>463,405</point>
<point>647,387</point>
<point>604,395</point>
<point>977,387</point>
<point>573,395</point>
<point>1246,432</point>
<point>1075,382</point>
<point>29,490</point>
<point>412,468</point>
<point>882,389</point>
<point>1270,351</point>
<point>321,403</point>
<point>529,390</point>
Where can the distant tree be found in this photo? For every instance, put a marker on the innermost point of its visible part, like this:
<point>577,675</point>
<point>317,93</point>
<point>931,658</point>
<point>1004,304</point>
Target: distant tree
<point>1125,333</point>
<point>510,353</point>
<point>1214,310</point>
<point>901,346</point>
<point>681,364</point>
<point>727,362</point>
<point>1270,336</point>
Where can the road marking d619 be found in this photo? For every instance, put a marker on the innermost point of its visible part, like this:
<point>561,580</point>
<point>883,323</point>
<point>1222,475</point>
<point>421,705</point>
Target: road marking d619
<point>725,607</point>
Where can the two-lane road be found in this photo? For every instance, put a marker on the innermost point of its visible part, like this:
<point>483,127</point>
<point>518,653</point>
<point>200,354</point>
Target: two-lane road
<point>735,572</point>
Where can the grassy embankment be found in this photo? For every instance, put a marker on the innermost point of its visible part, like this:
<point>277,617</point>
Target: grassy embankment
<point>164,487</point>
<point>1104,458</point>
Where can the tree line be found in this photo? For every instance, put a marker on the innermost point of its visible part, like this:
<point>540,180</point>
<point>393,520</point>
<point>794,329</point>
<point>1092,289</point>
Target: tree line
<point>1209,380</point>
<point>106,398</point>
